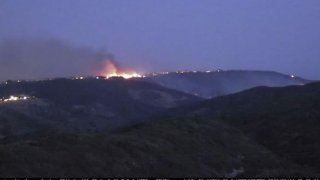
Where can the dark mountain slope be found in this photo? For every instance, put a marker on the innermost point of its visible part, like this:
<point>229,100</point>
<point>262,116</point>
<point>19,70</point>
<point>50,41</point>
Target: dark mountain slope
<point>83,105</point>
<point>92,91</point>
<point>284,120</point>
<point>168,148</point>
<point>261,132</point>
<point>217,83</point>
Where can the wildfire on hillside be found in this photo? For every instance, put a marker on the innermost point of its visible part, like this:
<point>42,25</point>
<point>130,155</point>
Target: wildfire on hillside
<point>110,69</point>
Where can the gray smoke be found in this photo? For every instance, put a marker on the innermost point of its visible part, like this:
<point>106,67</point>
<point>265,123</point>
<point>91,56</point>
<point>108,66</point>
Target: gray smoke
<point>36,59</point>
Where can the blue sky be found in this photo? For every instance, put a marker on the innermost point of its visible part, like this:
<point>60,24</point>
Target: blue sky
<point>158,35</point>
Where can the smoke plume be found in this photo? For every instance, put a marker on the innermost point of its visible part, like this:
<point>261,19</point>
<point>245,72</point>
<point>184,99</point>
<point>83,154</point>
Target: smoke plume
<point>36,59</point>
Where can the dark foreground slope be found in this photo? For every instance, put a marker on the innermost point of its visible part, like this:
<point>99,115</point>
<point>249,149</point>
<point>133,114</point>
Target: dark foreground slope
<point>261,132</point>
<point>284,120</point>
<point>217,83</point>
<point>83,105</point>
<point>168,148</point>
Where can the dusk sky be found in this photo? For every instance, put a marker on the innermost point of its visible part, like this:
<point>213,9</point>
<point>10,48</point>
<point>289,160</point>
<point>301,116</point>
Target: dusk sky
<point>164,35</point>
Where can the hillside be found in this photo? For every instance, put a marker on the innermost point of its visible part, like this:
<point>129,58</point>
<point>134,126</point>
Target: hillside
<point>168,148</point>
<point>284,120</point>
<point>82,105</point>
<point>260,132</point>
<point>216,83</point>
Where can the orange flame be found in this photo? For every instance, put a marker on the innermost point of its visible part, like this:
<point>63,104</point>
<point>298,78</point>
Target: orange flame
<point>112,70</point>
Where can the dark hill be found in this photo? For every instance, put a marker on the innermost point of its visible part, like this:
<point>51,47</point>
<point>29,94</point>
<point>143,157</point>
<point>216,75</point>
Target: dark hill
<point>285,120</point>
<point>217,83</point>
<point>260,132</point>
<point>83,105</point>
<point>169,148</point>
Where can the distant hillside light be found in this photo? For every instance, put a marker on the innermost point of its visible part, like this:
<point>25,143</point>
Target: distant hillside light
<point>292,76</point>
<point>13,98</point>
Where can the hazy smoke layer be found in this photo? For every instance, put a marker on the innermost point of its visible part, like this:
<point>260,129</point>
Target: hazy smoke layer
<point>34,59</point>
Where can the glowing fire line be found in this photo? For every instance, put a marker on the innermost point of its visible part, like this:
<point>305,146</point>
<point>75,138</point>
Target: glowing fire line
<point>111,70</point>
<point>124,75</point>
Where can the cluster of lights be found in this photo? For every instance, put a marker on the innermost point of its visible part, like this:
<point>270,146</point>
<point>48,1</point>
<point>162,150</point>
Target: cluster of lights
<point>182,72</point>
<point>136,75</point>
<point>127,75</point>
<point>109,76</point>
<point>15,98</point>
<point>81,77</point>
